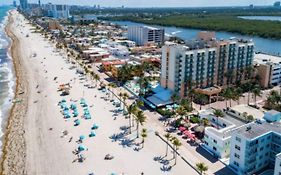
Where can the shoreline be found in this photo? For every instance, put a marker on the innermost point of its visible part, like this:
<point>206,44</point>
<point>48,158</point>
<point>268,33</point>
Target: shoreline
<point>13,135</point>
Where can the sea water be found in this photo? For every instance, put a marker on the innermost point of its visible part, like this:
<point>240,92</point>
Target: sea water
<point>7,78</point>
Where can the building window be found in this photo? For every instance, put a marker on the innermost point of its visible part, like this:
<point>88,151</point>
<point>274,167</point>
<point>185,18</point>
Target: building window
<point>238,139</point>
<point>237,147</point>
<point>237,155</point>
<point>236,163</point>
<point>215,141</point>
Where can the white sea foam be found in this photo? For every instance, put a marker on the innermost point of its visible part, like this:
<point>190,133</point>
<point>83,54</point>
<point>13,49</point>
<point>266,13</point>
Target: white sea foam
<point>9,78</point>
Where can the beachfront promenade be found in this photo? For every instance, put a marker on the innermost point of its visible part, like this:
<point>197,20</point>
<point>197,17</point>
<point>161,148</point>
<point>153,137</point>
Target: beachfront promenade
<point>50,151</point>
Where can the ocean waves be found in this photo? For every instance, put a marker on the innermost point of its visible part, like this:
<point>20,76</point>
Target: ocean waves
<point>7,78</point>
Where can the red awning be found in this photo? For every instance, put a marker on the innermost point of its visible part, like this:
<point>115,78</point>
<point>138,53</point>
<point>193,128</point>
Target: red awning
<point>182,129</point>
<point>189,135</point>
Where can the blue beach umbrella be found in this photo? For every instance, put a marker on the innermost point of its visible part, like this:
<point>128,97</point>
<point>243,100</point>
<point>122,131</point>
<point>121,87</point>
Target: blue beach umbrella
<point>67,116</point>
<point>92,134</point>
<point>81,148</point>
<point>88,116</point>
<point>95,126</point>
<point>76,122</point>
<point>82,137</point>
<point>75,114</point>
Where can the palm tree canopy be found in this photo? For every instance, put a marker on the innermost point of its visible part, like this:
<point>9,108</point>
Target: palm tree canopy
<point>257,91</point>
<point>201,167</point>
<point>177,143</point>
<point>132,109</point>
<point>168,136</point>
<point>140,117</point>
<point>218,113</point>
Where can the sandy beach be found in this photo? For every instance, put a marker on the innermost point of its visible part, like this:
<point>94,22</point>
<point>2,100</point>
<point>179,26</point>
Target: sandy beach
<point>35,143</point>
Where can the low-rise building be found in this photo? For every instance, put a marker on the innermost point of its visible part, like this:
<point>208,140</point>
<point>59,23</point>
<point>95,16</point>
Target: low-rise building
<point>256,147</point>
<point>269,69</point>
<point>242,111</point>
<point>217,137</point>
<point>95,54</point>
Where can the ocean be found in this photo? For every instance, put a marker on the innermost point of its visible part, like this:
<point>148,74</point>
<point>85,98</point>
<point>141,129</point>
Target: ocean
<point>7,78</point>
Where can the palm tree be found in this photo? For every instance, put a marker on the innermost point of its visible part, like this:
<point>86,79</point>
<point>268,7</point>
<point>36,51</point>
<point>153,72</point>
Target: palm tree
<point>218,113</point>
<point>96,78</point>
<point>238,93</point>
<point>120,97</point>
<point>125,97</point>
<point>138,104</point>
<point>250,118</point>
<point>175,98</point>
<point>140,119</point>
<point>202,99</point>
<point>176,144</point>
<point>143,135</point>
<point>244,115</point>
<point>201,167</point>
<point>131,110</point>
<point>256,92</point>
<point>113,86</point>
<point>227,95</point>
<point>168,137</point>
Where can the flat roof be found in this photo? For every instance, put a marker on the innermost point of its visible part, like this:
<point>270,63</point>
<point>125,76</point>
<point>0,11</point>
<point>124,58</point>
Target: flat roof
<point>258,128</point>
<point>273,112</point>
<point>256,113</point>
<point>261,58</point>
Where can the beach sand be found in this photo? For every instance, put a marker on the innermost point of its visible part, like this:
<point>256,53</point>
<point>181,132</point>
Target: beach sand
<point>34,143</point>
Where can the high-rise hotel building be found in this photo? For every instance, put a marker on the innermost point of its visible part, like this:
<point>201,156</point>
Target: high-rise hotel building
<point>205,63</point>
<point>144,35</point>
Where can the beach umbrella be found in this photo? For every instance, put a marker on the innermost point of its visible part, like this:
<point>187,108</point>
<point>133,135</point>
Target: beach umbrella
<point>88,116</point>
<point>84,105</point>
<point>67,116</point>
<point>95,126</point>
<point>92,134</point>
<point>76,122</point>
<point>81,148</point>
<point>82,137</point>
<point>73,106</point>
<point>75,114</point>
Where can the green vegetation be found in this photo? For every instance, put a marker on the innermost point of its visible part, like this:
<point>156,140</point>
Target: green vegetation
<point>273,101</point>
<point>215,22</point>
<point>194,119</point>
<point>201,167</point>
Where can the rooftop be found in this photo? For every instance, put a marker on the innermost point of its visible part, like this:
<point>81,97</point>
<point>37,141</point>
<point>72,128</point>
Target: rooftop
<point>249,110</point>
<point>258,128</point>
<point>265,58</point>
<point>273,112</point>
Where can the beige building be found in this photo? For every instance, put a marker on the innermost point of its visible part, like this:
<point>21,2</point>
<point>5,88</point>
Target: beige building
<point>205,63</point>
<point>269,69</point>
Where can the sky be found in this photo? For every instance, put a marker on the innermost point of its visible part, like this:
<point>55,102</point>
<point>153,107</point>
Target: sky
<point>154,3</point>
